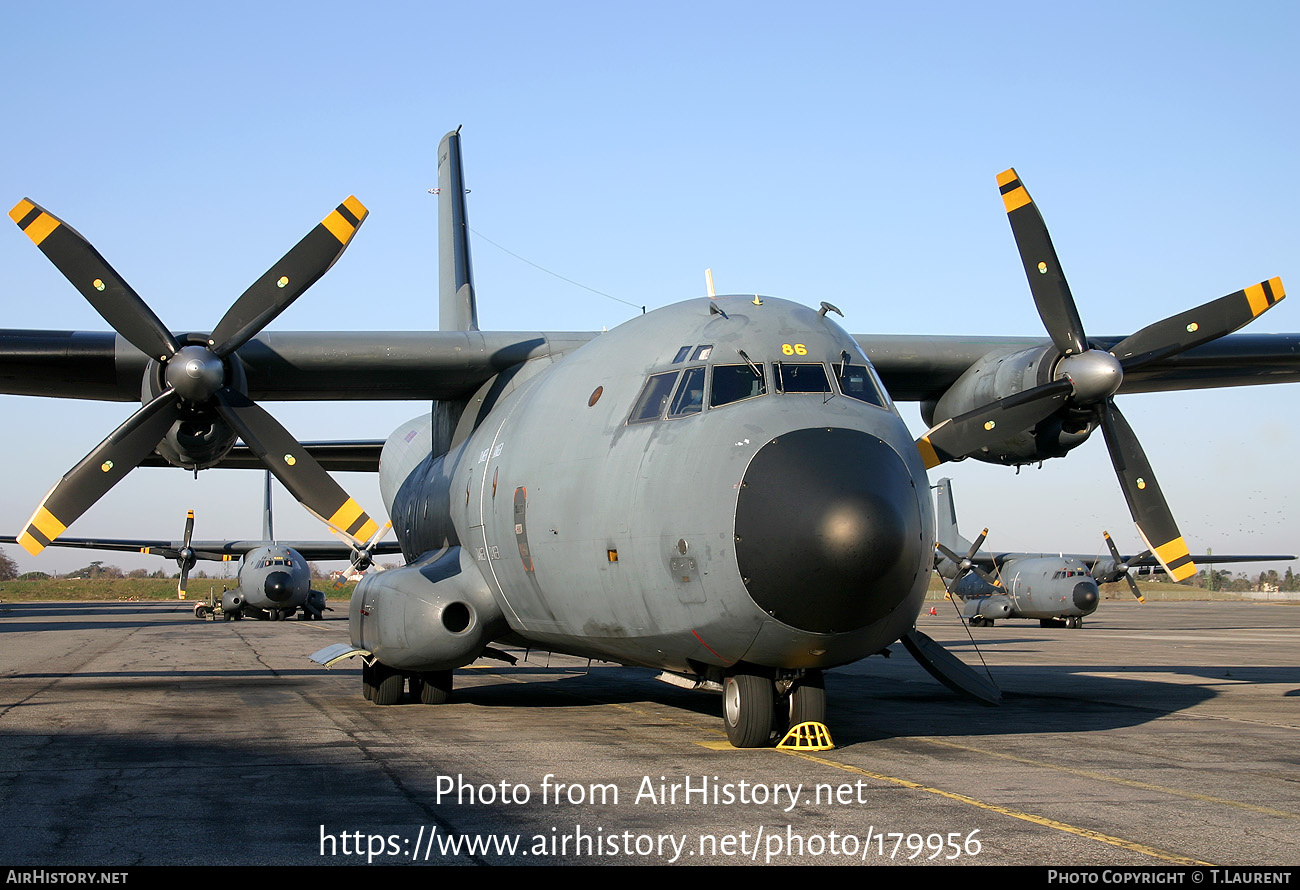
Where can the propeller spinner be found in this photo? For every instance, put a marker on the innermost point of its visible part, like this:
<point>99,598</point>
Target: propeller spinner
<point>196,383</point>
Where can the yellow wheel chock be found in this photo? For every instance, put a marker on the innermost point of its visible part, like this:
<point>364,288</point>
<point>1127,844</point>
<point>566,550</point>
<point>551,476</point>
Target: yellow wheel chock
<point>808,736</point>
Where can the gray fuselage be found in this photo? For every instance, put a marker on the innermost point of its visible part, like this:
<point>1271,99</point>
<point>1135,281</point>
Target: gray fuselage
<point>273,578</point>
<point>1043,587</point>
<point>650,500</point>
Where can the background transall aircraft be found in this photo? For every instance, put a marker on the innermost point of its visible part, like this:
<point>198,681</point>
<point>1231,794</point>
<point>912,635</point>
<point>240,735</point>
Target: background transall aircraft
<point>722,489</point>
<point>274,580</point>
<point>1058,589</point>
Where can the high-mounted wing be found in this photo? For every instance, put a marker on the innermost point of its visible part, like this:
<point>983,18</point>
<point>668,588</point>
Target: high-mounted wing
<point>421,365</point>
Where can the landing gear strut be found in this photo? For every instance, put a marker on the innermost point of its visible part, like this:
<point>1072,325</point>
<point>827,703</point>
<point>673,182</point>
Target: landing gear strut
<point>806,701</point>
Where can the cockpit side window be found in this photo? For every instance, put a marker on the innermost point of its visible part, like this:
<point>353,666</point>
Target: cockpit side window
<point>654,395</point>
<point>859,383</point>
<point>732,383</point>
<point>802,378</point>
<point>690,393</point>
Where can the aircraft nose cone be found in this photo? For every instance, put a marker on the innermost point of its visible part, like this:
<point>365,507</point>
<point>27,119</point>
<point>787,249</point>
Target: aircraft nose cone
<point>1086,596</point>
<point>828,529</point>
<point>277,586</point>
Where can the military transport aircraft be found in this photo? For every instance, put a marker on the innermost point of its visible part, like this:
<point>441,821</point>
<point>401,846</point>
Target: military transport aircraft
<point>274,580</point>
<point>1059,589</point>
<point>721,489</point>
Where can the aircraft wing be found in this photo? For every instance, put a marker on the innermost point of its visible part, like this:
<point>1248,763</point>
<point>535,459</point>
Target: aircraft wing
<point>217,551</point>
<point>991,561</point>
<point>1135,562</point>
<point>406,365</point>
<point>285,366</point>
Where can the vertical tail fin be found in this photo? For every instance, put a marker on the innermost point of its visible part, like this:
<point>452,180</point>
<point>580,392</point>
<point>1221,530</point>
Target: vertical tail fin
<point>946,518</point>
<point>268,531</point>
<point>457,310</point>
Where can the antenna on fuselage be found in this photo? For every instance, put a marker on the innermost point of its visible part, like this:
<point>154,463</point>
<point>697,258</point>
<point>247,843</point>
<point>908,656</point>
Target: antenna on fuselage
<point>708,282</point>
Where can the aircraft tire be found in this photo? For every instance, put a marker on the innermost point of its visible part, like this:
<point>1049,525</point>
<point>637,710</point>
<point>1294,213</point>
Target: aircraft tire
<point>748,703</point>
<point>1072,623</point>
<point>367,681</point>
<point>389,684</point>
<point>807,699</point>
<point>435,687</point>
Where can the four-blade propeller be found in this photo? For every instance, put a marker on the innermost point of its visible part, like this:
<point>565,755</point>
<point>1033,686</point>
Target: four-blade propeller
<point>1119,568</point>
<point>965,563</point>
<point>363,556</point>
<point>1086,377</point>
<point>197,382</point>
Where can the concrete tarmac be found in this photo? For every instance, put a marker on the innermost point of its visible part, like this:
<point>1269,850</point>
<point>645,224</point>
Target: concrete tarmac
<point>133,734</point>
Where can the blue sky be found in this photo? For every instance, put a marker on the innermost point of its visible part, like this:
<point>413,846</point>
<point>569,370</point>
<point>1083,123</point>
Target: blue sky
<point>844,153</point>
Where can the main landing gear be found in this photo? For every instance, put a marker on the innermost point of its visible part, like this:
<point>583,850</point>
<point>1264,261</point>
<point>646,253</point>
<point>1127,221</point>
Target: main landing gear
<point>753,705</point>
<point>384,685</point>
<point>1073,622</point>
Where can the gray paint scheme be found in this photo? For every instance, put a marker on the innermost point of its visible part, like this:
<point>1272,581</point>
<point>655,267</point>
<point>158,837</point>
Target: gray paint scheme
<point>273,576</point>
<point>531,510</point>
<point>1050,587</point>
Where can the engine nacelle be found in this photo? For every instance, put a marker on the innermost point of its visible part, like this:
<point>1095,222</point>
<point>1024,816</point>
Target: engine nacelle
<point>992,608</point>
<point>435,614</point>
<point>999,375</point>
<point>200,438</point>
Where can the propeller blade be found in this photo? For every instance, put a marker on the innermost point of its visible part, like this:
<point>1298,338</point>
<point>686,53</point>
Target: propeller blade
<point>99,471</point>
<point>952,556</point>
<point>1046,279</point>
<point>991,424</point>
<point>186,557</point>
<point>295,467</point>
<point>1207,322</point>
<point>91,274</point>
<point>1146,503</point>
<point>1133,588</point>
<point>285,281</point>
